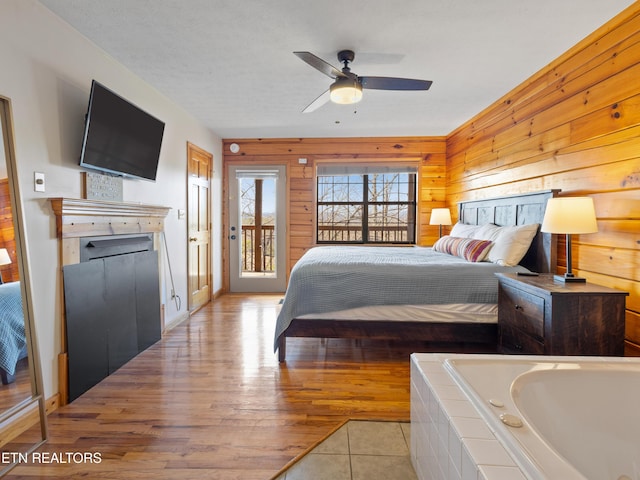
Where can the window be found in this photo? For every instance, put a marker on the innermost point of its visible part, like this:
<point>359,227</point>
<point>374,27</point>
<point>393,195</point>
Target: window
<point>366,204</point>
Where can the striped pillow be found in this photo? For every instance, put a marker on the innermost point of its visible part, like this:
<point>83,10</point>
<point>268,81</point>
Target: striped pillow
<point>470,249</point>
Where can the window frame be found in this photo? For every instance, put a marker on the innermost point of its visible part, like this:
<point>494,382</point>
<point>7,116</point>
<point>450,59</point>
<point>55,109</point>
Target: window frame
<point>411,205</point>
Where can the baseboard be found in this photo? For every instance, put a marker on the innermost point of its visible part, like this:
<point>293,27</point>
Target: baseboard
<point>63,378</point>
<point>178,320</point>
<point>52,403</point>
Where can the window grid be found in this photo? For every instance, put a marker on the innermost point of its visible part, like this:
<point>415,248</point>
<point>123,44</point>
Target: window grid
<point>387,201</point>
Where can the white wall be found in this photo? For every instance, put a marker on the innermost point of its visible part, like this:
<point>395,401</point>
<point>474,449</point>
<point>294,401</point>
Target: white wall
<point>46,69</point>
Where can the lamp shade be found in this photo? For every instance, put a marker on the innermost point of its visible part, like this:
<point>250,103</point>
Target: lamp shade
<point>440,216</point>
<point>345,91</point>
<point>5,259</point>
<point>570,215</point>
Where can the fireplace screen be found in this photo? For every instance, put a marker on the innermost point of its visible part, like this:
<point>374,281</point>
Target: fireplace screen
<point>112,306</point>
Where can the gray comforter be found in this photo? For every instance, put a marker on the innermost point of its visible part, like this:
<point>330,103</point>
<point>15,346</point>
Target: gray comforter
<point>12,334</point>
<point>333,278</point>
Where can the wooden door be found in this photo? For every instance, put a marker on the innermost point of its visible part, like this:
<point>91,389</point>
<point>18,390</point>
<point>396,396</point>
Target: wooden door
<point>200,165</point>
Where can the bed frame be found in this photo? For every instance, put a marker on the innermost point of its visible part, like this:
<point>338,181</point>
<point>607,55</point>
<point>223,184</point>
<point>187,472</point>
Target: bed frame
<point>503,211</point>
<point>5,377</point>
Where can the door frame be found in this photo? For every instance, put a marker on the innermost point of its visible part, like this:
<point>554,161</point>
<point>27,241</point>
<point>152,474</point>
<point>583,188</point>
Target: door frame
<point>191,150</point>
<point>282,223</point>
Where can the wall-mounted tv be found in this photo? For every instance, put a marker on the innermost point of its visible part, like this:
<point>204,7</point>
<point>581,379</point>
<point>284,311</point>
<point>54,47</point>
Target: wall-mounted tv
<point>120,138</point>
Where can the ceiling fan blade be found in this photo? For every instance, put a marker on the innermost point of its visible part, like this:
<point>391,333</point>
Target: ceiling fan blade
<point>391,83</point>
<point>319,64</point>
<point>317,103</point>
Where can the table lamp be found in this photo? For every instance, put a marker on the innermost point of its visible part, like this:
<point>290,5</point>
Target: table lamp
<point>440,216</point>
<point>5,259</point>
<point>569,215</point>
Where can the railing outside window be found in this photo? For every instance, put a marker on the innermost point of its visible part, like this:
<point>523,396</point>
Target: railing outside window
<point>339,234</point>
<point>267,262</point>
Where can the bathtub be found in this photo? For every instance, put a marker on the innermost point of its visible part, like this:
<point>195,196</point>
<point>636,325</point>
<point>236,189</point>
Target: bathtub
<point>558,417</point>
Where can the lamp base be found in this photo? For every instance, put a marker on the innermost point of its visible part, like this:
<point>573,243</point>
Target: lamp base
<point>569,278</point>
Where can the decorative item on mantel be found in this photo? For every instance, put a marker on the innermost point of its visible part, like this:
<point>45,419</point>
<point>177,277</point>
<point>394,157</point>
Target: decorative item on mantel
<point>568,215</point>
<point>440,216</point>
<point>102,186</point>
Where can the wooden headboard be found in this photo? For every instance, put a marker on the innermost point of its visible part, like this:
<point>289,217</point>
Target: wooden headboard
<point>513,210</point>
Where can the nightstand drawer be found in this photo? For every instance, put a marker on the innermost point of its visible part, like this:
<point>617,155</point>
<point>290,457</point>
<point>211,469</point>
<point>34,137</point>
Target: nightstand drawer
<point>537,314</point>
<point>513,340</point>
<point>521,310</point>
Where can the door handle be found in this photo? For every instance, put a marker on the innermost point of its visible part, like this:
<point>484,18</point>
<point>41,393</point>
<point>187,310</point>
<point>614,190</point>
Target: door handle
<point>193,239</point>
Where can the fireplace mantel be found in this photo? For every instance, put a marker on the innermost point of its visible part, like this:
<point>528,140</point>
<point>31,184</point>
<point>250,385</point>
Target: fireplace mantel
<point>82,218</point>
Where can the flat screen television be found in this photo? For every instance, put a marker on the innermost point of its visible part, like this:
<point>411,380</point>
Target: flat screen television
<point>120,138</point>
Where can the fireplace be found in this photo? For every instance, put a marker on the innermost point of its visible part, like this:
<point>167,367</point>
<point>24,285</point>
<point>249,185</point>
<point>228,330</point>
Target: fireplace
<point>92,248</point>
<point>109,264</point>
<point>112,307</point>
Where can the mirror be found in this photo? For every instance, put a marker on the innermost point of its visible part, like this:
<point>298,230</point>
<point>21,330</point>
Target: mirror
<point>22,409</point>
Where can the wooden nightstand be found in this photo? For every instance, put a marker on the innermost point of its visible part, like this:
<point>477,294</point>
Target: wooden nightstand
<point>537,315</point>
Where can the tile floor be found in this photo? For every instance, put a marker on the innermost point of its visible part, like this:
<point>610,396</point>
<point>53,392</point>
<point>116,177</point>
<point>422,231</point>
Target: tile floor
<point>359,450</point>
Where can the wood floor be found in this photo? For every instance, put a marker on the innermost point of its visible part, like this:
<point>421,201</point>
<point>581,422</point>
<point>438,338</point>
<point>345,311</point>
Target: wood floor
<point>210,400</point>
<point>19,389</point>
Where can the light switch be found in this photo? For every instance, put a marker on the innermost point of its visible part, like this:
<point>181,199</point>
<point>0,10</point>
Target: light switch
<point>181,214</point>
<point>38,181</point>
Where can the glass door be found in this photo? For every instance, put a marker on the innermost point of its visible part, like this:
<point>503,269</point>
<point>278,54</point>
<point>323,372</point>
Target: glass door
<point>257,219</point>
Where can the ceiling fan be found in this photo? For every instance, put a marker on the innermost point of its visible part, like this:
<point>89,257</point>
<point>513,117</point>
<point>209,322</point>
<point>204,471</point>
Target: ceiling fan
<point>348,86</point>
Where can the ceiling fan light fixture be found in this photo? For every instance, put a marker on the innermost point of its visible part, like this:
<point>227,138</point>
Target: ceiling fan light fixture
<point>347,86</point>
<point>345,91</point>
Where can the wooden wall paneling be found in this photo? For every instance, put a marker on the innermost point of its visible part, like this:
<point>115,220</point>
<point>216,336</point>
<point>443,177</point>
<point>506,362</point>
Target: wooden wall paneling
<point>632,328</point>
<point>523,140</point>
<point>608,176</point>
<point>616,262</point>
<point>335,147</point>
<point>617,116</point>
<point>432,194</point>
<point>7,236</point>
<point>596,153</point>
<point>575,126</point>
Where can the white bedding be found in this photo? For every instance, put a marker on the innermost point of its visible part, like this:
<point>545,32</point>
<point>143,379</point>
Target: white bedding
<point>446,312</point>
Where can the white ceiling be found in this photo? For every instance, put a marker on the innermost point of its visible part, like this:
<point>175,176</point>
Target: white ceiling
<point>230,63</point>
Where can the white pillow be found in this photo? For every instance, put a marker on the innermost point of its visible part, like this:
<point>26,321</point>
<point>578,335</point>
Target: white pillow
<point>510,244</point>
<point>463,230</point>
<point>488,231</point>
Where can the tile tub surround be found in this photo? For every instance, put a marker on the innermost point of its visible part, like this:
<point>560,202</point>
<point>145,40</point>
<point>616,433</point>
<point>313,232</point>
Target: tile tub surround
<point>358,450</point>
<point>449,438</point>
<point>578,416</point>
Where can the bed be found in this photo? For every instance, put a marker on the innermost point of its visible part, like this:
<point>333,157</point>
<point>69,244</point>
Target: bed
<point>412,293</point>
<point>13,342</point>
